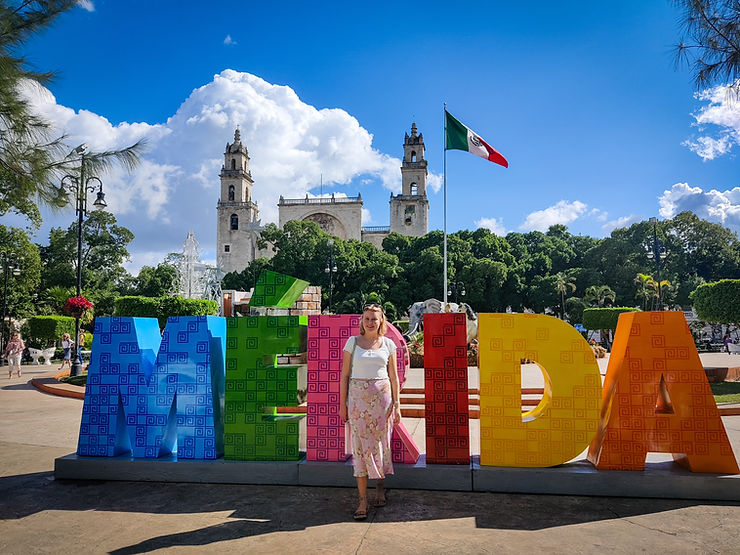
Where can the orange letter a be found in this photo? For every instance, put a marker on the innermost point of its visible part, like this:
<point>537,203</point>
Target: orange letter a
<point>657,398</point>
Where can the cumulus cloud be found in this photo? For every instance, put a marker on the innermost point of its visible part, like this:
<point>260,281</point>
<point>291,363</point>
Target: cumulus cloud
<point>86,5</point>
<point>228,40</point>
<point>496,225</point>
<point>624,221</point>
<point>721,115</point>
<point>176,188</point>
<point>722,207</point>
<point>563,212</point>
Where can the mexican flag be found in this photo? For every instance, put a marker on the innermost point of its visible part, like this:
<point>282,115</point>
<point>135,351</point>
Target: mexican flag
<point>460,137</point>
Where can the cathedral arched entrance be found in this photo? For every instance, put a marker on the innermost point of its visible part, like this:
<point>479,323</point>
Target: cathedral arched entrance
<point>328,224</point>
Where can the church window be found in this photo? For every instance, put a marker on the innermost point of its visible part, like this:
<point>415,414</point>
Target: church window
<point>414,189</point>
<point>227,248</point>
<point>234,222</point>
<point>409,214</point>
<point>413,156</point>
<point>231,193</point>
<point>233,164</point>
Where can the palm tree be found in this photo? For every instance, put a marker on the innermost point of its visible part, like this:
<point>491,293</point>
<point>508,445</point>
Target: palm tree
<point>599,295</point>
<point>645,288</point>
<point>657,290</point>
<point>563,282</point>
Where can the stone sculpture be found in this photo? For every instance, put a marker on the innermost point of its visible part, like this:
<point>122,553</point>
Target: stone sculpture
<point>433,306</point>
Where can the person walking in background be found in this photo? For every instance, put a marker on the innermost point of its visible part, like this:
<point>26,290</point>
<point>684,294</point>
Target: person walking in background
<point>369,400</point>
<point>727,341</point>
<point>80,344</point>
<point>67,348</point>
<point>14,352</point>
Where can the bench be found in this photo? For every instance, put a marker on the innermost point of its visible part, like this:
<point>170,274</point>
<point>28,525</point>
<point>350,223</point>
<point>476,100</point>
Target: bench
<point>733,349</point>
<point>46,354</point>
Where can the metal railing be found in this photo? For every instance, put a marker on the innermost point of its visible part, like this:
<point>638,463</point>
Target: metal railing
<point>319,200</point>
<point>376,229</point>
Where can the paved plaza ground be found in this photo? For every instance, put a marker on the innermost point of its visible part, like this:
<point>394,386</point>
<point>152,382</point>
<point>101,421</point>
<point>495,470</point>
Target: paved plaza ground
<point>39,514</point>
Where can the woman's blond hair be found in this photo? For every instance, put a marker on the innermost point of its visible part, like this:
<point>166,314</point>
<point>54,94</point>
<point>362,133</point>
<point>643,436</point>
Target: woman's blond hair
<point>383,327</point>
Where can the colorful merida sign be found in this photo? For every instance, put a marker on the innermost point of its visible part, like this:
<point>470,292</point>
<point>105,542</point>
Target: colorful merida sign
<point>210,387</point>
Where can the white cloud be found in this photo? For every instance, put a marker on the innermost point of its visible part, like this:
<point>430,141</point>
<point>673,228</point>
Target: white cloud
<point>563,212</point>
<point>722,111</point>
<point>598,214</point>
<point>722,207</point>
<point>496,225</point>
<point>86,5</point>
<point>176,187</point>
<point>229,40</point>
<point>367,218</point>
<point>611,225</point>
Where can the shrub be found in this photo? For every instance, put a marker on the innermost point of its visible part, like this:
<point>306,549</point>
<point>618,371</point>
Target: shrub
<point>401,325</point>
<point>604,318</point>
<point>163,307</point>
<point>45,331</point>
<point>718,301</point>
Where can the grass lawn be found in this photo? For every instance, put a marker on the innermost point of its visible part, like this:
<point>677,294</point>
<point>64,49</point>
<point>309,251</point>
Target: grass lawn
<point>726,392</point>
<point>80,380</point>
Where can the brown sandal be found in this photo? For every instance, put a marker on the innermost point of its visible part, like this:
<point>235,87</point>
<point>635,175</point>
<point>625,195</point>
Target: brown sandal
<point>380,494</point>
<point>359,513</point>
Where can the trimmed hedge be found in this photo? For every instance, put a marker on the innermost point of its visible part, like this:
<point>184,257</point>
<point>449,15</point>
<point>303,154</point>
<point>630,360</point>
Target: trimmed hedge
<point>604,318</point>
<point>718,301</point>
<point>45,331</point>
<point>163,307</point>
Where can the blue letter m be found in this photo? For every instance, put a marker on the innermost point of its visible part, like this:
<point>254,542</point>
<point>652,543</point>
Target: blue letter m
<point>155,395</point>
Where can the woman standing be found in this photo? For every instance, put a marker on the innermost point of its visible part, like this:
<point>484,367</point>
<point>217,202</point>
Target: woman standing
<point>14,352</point>
<point>67,347</point>
<point>368,397</point>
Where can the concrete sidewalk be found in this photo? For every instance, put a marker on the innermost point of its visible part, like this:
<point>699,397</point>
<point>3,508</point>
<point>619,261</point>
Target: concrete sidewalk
<point>41,515</point>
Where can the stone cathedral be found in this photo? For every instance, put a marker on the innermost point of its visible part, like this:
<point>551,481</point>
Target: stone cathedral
<point>238,216</point>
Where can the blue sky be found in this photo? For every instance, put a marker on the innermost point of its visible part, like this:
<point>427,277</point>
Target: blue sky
<point>583,99</point>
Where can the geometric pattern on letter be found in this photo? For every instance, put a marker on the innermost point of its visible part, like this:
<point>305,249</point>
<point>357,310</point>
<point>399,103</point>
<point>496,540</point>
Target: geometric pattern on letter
<point>123,350</point>
<point>324,429</point>
<point>566,419</point>
<point>256,386</point>
<point>648,345</point>
<point>325,432</point>
<point>190,365</point>
<point>155,408</point>
<point>278,290</point>
<point>446,409</point>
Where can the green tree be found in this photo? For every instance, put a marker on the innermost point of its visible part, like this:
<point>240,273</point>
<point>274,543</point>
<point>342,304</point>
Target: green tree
<point>156,281</point>
<point>21,288</point>
<point>599,296</point>
<point>644,289</point>
<point>32,161</point>
<point>710,42</point>
<point>564,282</point>
<point>104,249</point>
<point>718,301</point>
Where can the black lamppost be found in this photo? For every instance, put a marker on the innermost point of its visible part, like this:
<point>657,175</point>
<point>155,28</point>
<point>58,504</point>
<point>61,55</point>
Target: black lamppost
<point>331,269</point>
<point>80,186</point>
<point>456,288</point>
<point>658,252</point>
<point>9,265</point>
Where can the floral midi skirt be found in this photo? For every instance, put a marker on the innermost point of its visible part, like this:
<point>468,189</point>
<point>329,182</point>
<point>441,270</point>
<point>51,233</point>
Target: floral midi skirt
<point>369,405</point>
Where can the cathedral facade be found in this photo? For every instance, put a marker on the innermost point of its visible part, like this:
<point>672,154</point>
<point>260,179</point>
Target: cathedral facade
<point>238,216</point>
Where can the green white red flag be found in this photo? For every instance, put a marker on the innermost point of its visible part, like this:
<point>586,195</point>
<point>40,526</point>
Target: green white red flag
<point>461,137</point>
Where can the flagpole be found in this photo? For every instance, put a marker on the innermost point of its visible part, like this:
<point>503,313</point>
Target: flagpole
<point>444,181</point>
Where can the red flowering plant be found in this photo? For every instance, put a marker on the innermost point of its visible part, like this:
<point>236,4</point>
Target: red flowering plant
<point>79,307</point>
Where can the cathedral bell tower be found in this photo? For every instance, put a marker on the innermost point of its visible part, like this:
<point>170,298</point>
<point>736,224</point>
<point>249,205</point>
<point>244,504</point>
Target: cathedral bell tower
<point>410,209</point>
<point>238,216</point>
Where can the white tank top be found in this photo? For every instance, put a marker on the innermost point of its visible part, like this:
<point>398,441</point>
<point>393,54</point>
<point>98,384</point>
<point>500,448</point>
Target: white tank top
<point>370,364</point>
